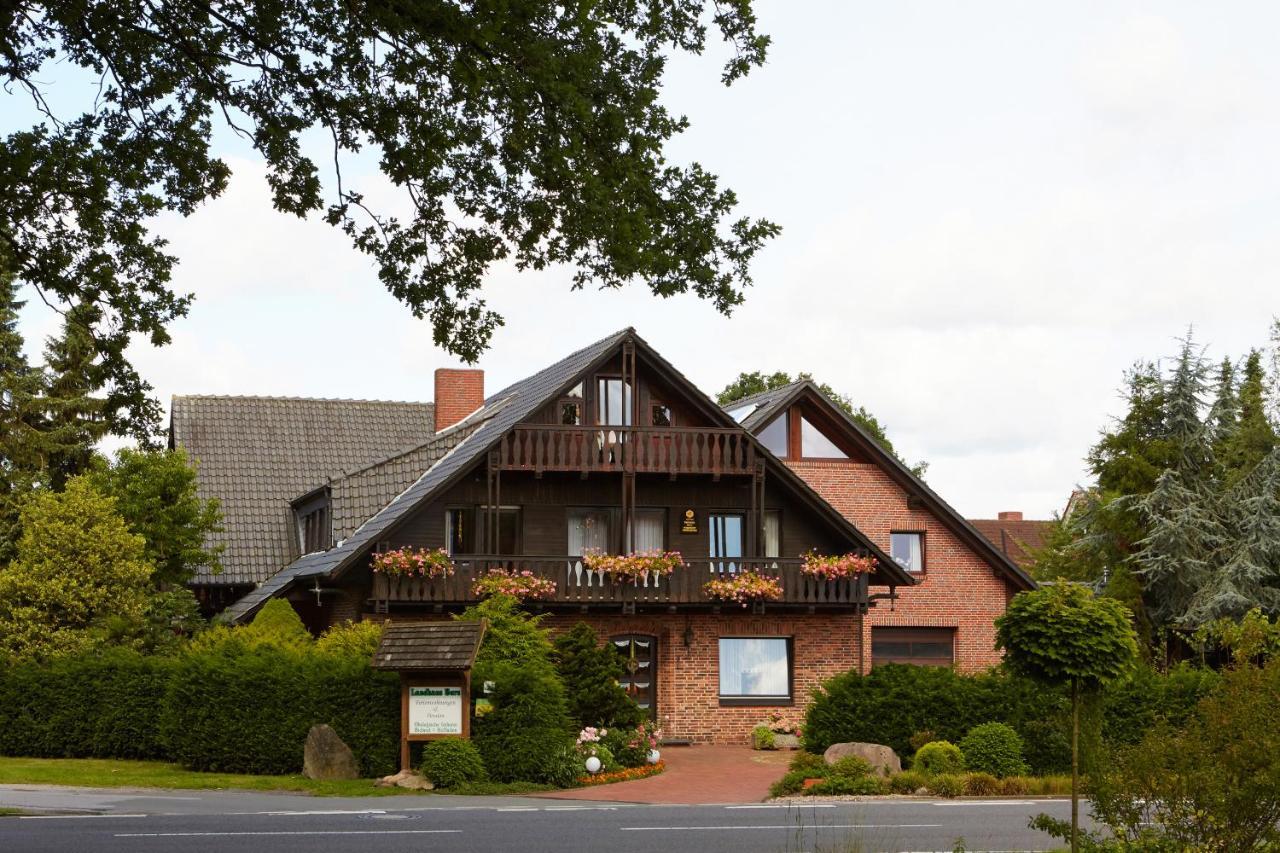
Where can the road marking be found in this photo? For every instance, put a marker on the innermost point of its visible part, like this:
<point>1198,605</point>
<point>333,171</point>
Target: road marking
<point>73,816</point>
<point>993,802</point>
<point>581,809</point>
<point>315,812</point>
<point>519,809</point>
<point>288,832</point>
<point>776,826</point>
<point>787,806</point>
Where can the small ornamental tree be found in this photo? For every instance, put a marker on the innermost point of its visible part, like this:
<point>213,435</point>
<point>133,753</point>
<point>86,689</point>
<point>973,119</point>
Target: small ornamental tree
<point>591,674</point>
<point>1063,634</point>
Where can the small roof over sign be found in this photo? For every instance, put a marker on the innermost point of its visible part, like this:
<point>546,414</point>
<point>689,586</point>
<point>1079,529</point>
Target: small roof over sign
<point>409,646</point>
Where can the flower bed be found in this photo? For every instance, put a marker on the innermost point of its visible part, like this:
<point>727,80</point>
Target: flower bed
<point>626,774</point>
<point>836,567</point>
<point>632,567</point>
<point>744,588</point>
<point>414,562</point>
<point>523,585</point>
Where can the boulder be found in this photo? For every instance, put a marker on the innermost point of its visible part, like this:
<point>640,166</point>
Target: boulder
<point>327,757</point>
<point>405,779</point>
<point>883,760</point>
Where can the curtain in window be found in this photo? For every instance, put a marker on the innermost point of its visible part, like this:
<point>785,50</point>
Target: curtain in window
<point>772,533</point>
<point>649,530</point>
<point>754,667</point>
<point>905,548</point>
<point>588,531</point>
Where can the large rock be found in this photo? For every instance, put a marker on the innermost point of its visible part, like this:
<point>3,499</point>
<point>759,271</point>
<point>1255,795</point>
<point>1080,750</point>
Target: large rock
<point>327,757</point>
<point>883,760</point>
<point>405,779</point>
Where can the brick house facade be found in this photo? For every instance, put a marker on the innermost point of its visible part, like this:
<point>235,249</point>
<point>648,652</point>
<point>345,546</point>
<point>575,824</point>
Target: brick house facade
<point>613,449</point>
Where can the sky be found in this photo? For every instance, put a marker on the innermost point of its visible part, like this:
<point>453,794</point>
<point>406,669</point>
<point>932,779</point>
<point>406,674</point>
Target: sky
<point>989,211</point>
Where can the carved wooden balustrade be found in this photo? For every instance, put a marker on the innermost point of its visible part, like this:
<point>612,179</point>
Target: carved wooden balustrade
<point>661,450</point>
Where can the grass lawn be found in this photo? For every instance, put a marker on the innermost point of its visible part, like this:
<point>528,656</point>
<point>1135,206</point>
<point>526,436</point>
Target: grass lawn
<point>109,773</point>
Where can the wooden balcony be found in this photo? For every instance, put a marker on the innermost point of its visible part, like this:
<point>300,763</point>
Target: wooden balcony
<point>579,587</point>
<point>657,450</point>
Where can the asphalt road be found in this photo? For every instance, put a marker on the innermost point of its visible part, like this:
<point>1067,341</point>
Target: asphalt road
<point>231,822</point>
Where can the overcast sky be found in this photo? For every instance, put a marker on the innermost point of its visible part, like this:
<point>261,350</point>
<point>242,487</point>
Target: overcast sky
<point>989,209</point>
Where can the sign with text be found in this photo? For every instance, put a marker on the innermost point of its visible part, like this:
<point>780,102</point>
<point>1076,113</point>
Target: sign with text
<point>690,523</point>
<point>435,710</point>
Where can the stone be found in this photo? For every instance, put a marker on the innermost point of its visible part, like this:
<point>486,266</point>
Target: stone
<point>883,760</point>
<point>786,742</point>
<point>327,757</point>
<point>405,779</point>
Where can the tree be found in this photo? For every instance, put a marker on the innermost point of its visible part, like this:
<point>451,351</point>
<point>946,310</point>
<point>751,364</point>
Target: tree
<point>591,674</point>
<point>20,420</point>
<point>749,384</point>
<point>75,415</point>
<point>155,492</point>
<point>77,565</point>
<point>528,132</point>
<point>1254,436</point>
<point>1063,634</point>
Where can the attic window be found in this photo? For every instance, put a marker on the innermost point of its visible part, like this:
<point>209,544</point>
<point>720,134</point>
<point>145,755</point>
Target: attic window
<point>814,444</point>
<point>775,436</point>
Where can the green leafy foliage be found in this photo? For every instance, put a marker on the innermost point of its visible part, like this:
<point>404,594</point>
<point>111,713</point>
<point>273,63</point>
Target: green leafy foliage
<point>513,637</point>
<point>980,784</point>
<point>530,134</point>
<point>77,565</point>
<point>155,493</point>
<point>352,639</point>
<point>277,624</point>
<point>946,785</point>
<point>591,673</point>
<point>1064,633</point>
<point>21,417</point>
<point>939,756</point>
<point>529,724</point>
<point>762,737</point>
<point>995,749</point>
<point>835,786</point>
<point>908,781</point>
<point>452,762</point>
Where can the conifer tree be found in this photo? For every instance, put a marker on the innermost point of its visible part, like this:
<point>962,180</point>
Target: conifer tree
<point>1254,437</point>
<point>1224,415</point>
<point>20,386</point>
<point>74,406</point>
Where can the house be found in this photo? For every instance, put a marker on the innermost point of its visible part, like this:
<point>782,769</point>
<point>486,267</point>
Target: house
<point>1016,536</point>
<point>609,449</point>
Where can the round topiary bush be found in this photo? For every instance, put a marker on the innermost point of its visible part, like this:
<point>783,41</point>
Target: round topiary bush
<point>450,762</point>
<point>937,757</point>
<point>993,748</point>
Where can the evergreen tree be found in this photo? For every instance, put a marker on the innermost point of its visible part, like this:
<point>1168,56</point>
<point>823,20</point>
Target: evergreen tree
<point>1254,437</point>
<point>591,674</point>
<point>20,422</point>
<point>1224,415</point>
<point>74,407</point>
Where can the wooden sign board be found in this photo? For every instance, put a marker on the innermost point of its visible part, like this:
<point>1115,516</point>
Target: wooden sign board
<point>690,522</point>
<point>432,706</point>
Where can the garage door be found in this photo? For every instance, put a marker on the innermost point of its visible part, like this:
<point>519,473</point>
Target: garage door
<point>920,646</point>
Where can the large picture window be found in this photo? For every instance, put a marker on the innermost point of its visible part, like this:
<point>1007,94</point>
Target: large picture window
<point>918,646</point>
<point>755,670</point>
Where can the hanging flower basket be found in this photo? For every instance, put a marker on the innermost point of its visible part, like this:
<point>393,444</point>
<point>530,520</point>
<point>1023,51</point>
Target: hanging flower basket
<point>523,585</point>
<point>414,563</point>
<point>624,568</point>
<point>836,567</point>
<point>744,588</point>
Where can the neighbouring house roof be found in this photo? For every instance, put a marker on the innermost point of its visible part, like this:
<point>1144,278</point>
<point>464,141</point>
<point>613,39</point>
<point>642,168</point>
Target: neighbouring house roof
<point>256,454</point>
<point>409,646</point>
<point>769,404</point>
<point>500,413</point>
<point>1016,538</point>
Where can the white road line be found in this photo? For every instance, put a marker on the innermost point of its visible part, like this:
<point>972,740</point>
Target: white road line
<point>787,806</point>
<point>954,803</point>
<point>73,816</point>
<point>288,832</point>
<point>315,812</point>
<point>580,809</point>
<point>519,809</point>
<point>776,826</point>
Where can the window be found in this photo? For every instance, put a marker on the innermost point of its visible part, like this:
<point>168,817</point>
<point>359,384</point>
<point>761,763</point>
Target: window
<point>588,531</point>
<point>755,670</point>
<point>508,543</point>
<point>815,445</point>
<point>651,530</point>
<point>613,402</point>
<point>774,436</point>
<point>772,533</point>
<point>739,414</point>
<point>917,646</point>
<point>660,415</point>
<point>726,541</point>
<point>457,531</point>
<point>314,530</point>
<point>570,413</point>
<point>908,550</point>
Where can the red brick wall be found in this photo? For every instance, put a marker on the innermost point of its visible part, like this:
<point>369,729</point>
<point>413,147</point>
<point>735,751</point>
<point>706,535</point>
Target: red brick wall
<point>959,589</point>
<point>458,394</point>
<point>689,678</point>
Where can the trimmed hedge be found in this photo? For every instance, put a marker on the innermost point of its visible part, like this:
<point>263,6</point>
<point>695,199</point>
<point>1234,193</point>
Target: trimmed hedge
<point>101,705</point>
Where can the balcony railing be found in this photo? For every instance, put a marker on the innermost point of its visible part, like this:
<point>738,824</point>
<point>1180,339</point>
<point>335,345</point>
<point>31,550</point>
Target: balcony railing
<point>660,450</point>
<point>578,585</point>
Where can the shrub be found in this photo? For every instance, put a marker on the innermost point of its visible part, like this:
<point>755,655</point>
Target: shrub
<point>591,673</point>
<point>277,624</point>
<point>939,756</point>
<point>564,767</point>
<point>908,782</point>
<point>919,739</point>
<point>980,785</point>
<point>762,738</point>
<point>630,747</point>
<point>512,638</point>
<point>529,724</point>
<point>851,767</point>
<point>792,782</point>
<point>450,762</point>
<point>834,786</point>
<point>946,785</point>
<point>993,748</point>
<point>353,639</point>
<point>1015,786</point>
<point>814,765</point>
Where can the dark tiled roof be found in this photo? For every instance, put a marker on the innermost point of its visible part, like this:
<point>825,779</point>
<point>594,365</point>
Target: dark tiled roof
<point>429,645</point>
<point>256,454</point>
<point>764,404</point>
<point>1017,539</point>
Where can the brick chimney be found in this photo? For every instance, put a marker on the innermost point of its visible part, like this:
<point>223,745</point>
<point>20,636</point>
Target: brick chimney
<point>458,394</point>
<point>1004,516</point>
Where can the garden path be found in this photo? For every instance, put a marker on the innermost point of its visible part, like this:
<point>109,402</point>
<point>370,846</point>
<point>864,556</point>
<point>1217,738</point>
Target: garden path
<point>696,775</point>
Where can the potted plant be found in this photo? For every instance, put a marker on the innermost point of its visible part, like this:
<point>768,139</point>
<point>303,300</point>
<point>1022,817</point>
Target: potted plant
<point>837,566</point>
<point>744,588</point>
<point>625,568</point>
<point>520,584</point>
<point>414,563</point>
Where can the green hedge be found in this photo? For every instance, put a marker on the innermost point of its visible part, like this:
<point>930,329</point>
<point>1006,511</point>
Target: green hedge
<point>101,705</point>
<point>894,702</point>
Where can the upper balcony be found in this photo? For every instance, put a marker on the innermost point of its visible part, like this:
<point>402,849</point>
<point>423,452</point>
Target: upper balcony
<point>653,450</point>
<point>577,586</point>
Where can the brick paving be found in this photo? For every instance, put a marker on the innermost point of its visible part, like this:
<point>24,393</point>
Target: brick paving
<point>696,775</point>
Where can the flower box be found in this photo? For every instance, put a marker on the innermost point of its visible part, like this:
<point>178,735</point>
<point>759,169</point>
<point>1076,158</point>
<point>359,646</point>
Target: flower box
<point>836,567</point>
<point>414,563</point>
<point>744,588</point>
<point>625,568</point>
<point>523,585</point>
